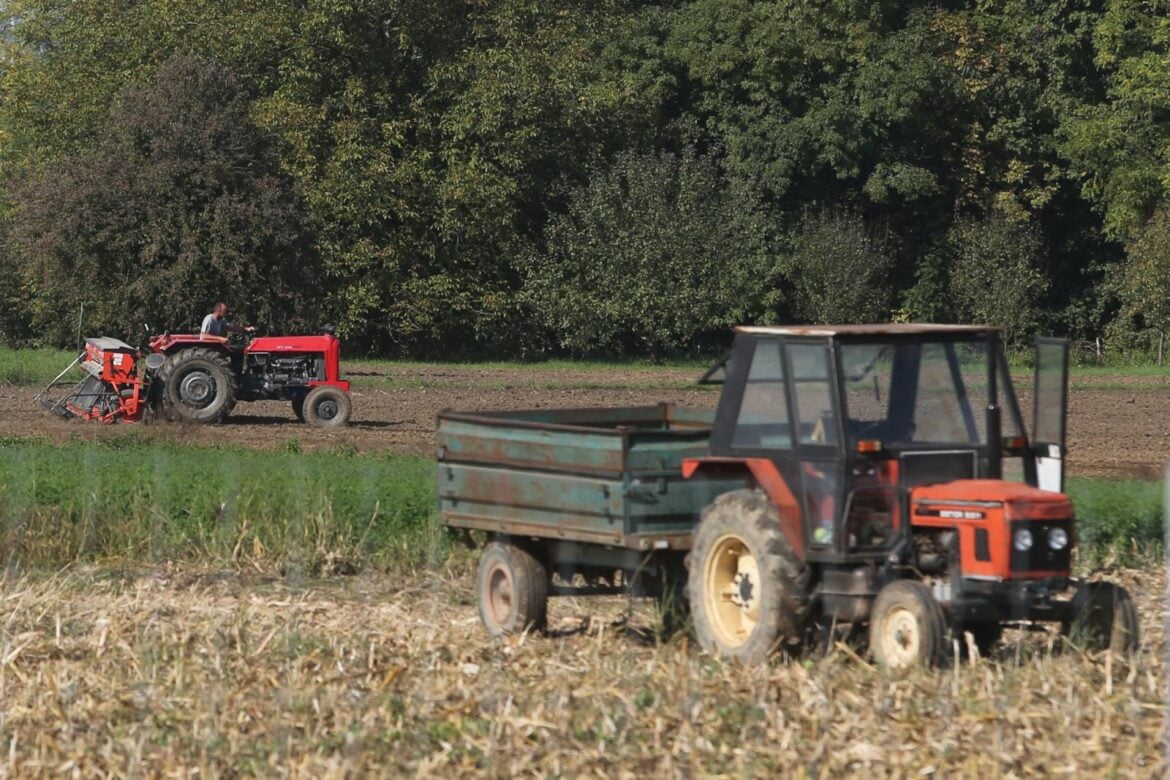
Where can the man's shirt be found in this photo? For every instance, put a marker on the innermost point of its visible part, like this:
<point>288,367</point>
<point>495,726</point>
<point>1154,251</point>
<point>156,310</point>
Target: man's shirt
<point>214,326</point>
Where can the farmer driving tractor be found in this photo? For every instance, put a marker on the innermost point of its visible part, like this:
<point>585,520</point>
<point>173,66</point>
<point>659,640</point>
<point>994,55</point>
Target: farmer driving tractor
<point>216,324</point>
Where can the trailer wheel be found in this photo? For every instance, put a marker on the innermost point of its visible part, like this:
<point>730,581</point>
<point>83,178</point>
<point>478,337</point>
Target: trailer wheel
<point>1104,618</point>
<point>327,407</point>
<point>748,590</point>
<point>198,385</point>
<point>907,626</point>
<point>512,590</point>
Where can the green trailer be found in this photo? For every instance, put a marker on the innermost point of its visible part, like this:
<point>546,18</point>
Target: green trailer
<point>581,501</point>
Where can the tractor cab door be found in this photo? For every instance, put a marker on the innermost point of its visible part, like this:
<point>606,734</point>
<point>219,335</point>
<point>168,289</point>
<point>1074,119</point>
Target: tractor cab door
<point>1050,411</point>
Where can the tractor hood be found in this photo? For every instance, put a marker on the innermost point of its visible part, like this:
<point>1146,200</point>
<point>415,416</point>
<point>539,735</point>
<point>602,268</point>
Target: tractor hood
<point>321,343</point>
<point>1018,501</point>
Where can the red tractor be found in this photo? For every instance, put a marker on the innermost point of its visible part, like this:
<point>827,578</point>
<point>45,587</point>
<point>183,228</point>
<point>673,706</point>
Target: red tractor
<point>202,377</point>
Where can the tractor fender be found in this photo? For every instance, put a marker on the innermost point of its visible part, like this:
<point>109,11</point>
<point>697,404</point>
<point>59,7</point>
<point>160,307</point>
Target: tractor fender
<point>763,474</point>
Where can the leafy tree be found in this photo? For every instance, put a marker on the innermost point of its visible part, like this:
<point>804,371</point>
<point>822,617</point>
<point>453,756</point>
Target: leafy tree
<point>839,270</point>
<point>993,275</point>
<point>1143,281</point>
<point>655,254</point>
<point>1119,143</point>
<point>178,204</point>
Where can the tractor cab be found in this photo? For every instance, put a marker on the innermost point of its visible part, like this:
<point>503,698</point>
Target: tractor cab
<point>854,418</point>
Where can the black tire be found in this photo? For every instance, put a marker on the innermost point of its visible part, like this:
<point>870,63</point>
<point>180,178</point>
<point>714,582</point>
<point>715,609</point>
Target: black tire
<point>298,407</point>
<point>907,627</point>
<point>198,385</point>
<point>1104,618</point>
<point>747,588</point>
<point>511,588</point>
<point>327,407</point>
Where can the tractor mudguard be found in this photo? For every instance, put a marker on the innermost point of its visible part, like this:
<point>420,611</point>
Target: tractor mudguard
<point>769,479</point>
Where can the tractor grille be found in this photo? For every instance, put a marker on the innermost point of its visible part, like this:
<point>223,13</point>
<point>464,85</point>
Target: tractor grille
<point>1041,557</point>
<point>982,545</point>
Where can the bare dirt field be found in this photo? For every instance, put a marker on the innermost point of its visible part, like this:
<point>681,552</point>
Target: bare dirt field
<point>1118,426</point>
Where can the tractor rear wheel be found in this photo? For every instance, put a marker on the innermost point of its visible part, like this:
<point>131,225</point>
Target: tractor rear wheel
<point>747,588</point>
<point>1104,618</point>
<point>907,626</point>
<point>327,407</point>
<point>198,385</point>
<point>511,590</point>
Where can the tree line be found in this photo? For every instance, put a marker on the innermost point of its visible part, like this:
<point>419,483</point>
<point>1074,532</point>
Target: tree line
<point>508,177</point>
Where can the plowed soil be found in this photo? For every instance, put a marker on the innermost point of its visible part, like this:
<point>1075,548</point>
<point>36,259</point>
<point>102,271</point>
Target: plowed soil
<point>1118,426</point>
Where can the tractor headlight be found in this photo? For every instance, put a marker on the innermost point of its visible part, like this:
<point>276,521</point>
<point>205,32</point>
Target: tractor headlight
<point>1022,540</point>
<point>1057,539</point>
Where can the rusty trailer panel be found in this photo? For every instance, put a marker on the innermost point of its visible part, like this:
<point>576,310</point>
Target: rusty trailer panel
<point>606,476</point>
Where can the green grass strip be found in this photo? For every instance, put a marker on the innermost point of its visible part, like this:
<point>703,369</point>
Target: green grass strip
<point>33,366</point>
<point>153,502</point>
<point>1118,521</point>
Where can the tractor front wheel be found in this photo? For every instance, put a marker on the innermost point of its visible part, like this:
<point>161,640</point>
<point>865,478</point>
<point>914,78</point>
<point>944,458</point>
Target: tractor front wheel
<point>1104,618</point>
<point>511,589</point>
<point>907,626</point>
<point>748,589</point>
<point>298,406</point>
<point>326,407</point>
<point>198,386</point>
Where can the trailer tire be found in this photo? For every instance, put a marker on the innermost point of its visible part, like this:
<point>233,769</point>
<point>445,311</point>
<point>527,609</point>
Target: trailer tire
<point>327,407</point>
<point>511,590</point>
<point>198,385</point>
<point>747,588</point>
<point>1104,618</point>
<point>907,627</point>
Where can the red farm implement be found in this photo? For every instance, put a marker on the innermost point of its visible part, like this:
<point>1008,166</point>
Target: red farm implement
<point>114,387</point>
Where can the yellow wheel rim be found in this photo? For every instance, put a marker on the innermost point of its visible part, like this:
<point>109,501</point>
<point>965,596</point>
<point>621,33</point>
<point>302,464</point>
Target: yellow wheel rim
<point>900,638</point>
<point>731,579</point>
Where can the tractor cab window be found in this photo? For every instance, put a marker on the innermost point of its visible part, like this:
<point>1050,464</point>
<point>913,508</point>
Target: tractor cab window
<point>762,421</point>
<point>952,394</point>
<point>916,393</point>
<point>814,393</point>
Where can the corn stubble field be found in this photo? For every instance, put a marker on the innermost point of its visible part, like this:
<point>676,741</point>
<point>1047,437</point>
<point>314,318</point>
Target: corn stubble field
<point>299,614</point>
<point>182,673</point>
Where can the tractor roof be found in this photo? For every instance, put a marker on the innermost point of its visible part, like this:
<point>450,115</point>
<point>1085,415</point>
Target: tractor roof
<point>879,329</point>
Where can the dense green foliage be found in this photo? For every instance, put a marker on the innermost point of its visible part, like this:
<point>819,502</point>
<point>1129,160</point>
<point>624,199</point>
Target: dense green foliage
<point>513,178</point>
<point>134,499</point>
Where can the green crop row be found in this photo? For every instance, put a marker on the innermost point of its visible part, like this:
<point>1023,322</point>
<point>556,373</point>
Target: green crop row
<point>137,501</point>
<point>1118,521</point>
<point>32,366</point>
<point>150,502</point>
